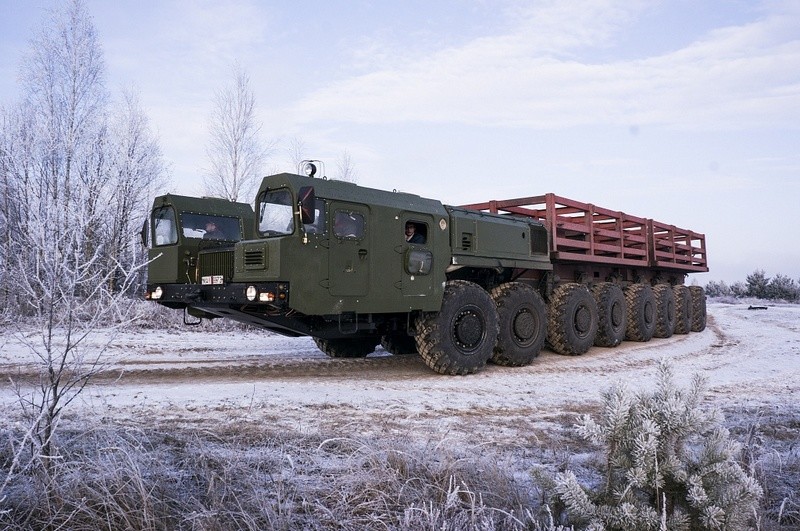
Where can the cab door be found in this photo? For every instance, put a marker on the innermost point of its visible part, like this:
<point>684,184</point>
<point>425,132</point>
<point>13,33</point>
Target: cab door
<point>349,251</point>
<point>417,257</point>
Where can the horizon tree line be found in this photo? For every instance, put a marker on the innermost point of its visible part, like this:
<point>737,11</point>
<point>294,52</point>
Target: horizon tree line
<point>759,286</point>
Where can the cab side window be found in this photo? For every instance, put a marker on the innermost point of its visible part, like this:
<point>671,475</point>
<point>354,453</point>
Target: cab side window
<point>418,259</point>
<point>165,230</point>
<point>276,213</point>
<point>319,218</point>
<point>348,224</point>
<point>416,232</point>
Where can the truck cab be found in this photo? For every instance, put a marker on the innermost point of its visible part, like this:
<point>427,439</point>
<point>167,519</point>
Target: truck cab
<point>179,228</point>
<point>342,248</point>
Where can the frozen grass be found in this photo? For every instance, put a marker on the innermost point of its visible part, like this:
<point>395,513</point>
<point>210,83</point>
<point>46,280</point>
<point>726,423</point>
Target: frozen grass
<point>250,477</point>
<point>771,451</point>
<point>112,478</point>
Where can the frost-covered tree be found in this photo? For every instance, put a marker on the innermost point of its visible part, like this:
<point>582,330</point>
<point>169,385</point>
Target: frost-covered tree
<point>236,152</point>
<point>71,159</point>
<point>718,289</point>
<point>137,171</point>
<point>296,152</point>
<point>739,289</point>
<point>757,283</point>
<point>55,149</point>
<point>782,287</point>
<point>669,464</point>
<point>346,168</point>
<point>9,214</point>
<point>73,183</point>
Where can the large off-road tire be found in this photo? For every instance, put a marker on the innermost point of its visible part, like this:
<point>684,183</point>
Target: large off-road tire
<point>346,347</point>
<point>641,312</point>
<point>683,309</point>
<point>612,314</point>
<point>572,319</point>
<point>460,337</point>
<point>523,324</point>
<point>399,343</point>
<point>665,310</point>
<point>698,308</point>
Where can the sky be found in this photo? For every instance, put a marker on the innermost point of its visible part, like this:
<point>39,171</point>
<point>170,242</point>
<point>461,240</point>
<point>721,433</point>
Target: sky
<point>684,111</point>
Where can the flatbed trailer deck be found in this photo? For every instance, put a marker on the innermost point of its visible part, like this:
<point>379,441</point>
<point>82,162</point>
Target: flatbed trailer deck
<point>585,233</point>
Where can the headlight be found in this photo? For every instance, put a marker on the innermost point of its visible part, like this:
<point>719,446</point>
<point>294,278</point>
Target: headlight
<point>251,293</point>
<point>310,169</point>
<point>157,293</point>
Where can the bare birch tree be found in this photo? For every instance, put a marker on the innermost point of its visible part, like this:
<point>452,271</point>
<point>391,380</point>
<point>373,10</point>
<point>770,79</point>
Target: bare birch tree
<point>236,151</point>
<point>296,151</point>
<point>8,213</point>
<point>346,168</point>
<point>137,170</point>
<point>73,184</point>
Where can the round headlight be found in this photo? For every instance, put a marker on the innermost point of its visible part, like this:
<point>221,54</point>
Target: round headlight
<point>157,293</point>
<point>251,293</point>
<point>310,169</point>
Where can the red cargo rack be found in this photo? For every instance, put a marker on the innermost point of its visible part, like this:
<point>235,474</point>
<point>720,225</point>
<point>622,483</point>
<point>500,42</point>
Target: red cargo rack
<point>582,232</point>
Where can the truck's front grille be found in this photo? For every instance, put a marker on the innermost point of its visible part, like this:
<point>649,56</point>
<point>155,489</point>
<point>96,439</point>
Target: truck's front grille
<point>213,263</point>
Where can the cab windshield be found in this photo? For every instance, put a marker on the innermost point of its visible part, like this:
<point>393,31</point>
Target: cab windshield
<point>275,213</point>
<point>210,227</point>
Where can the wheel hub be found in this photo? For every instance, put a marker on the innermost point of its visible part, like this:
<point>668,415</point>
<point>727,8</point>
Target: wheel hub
<point>468,329</point>
<point>617,315</point>
<point>524,325</point>
<point>649,312</point>
<point>583,320</point>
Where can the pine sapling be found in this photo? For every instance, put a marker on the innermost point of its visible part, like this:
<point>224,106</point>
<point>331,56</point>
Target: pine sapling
<point>669,464</point>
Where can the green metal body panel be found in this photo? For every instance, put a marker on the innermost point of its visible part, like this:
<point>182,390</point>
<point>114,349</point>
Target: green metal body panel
<point>479,239</point>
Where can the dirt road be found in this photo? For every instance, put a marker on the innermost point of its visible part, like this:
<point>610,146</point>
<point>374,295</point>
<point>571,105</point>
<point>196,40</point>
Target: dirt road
<point>751,359</point>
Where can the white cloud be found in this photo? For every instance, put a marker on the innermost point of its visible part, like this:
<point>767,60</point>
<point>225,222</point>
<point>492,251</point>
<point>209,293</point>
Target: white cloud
<point>557,27</point>
<point>534,76</point>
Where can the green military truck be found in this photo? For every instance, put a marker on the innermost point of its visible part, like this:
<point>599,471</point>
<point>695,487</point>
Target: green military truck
<point>355,267</point>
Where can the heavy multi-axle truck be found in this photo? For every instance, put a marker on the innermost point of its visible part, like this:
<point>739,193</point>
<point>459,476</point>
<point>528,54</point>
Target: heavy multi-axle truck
<point>488,281</point>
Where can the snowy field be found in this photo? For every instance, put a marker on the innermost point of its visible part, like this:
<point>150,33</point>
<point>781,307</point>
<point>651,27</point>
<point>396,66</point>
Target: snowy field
<point>751,359</point>
<point>361,441</point>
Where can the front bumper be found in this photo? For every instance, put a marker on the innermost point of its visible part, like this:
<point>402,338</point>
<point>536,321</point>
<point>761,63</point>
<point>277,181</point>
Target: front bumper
<point>273,295</point>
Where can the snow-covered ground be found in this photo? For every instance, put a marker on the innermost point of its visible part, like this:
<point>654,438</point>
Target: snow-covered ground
<point>250,402</point>
<point>751,359</point>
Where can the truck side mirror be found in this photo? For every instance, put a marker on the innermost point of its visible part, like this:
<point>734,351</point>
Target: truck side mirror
<point>306,200</point>
<point>144,233</point>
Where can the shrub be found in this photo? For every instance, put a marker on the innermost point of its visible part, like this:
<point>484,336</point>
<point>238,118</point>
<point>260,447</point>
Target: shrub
<point>757,283</point>
<point>738,289</point>
<point>782,287</point>
<point>718,289</point>
<point>668,464</point>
